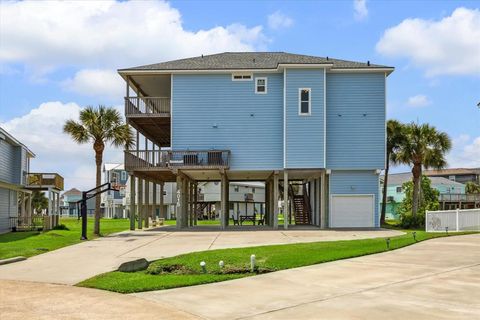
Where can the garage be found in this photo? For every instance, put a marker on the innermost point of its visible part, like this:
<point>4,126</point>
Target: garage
<point>352,211</point>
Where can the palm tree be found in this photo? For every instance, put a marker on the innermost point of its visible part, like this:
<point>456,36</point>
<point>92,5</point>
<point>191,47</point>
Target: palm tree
<point>39,201</point>
<point>395,138</point>
<point>100,126</point>
<point>424,147</point>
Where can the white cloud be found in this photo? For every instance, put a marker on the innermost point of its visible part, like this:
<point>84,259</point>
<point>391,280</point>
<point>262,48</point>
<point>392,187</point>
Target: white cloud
<point>96,82</point>
<point>41,130</point>
<point>465,152</point>
<point>447,46</point>
<point>420,100</point>
<point>278,20</point>
<point>360,10</point>
<point>88,34</point>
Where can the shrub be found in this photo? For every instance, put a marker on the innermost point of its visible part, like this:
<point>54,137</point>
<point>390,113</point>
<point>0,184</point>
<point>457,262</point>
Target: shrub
<point>60,227</point>
<point>408,221</point>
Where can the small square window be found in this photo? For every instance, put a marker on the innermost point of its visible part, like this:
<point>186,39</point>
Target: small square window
<point>261,85</point>
<point>304,101</point>
<point>399,189</point>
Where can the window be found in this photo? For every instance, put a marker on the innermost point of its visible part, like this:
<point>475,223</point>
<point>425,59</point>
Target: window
<point>253,190</point>
<point>304,101</point>
<point>399,189</point>
<point>124,175</point>
<point>261,85</point>
<point>452,178</point>
<point>241,76</point>
<point>236,188</point>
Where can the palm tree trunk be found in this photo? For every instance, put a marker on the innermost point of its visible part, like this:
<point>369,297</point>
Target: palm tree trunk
<point>417,175</point>
<point>384,196</point>
<point>98,163</point>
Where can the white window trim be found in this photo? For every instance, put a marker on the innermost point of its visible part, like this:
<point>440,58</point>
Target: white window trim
<point>266,85</point>
<point>300,113</point>
<point>242,74</point>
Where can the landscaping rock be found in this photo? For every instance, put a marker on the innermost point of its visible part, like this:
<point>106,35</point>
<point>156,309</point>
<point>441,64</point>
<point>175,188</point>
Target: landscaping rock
<point>135,265</point>
<point>12,260</point>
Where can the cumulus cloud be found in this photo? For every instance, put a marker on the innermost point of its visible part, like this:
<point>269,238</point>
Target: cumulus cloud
<point>465,152</point>
<point>96,82</point>
<point>360,10</point>
<point>88,34</point>
<point>41,130</point>
<point>449,46</point>
<point>278,20</point>
<point>420,100</point>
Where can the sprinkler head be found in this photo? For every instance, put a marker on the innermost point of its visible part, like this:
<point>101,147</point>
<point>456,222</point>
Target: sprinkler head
<point>414,235</point>
<point>388,243</point>
<point>221,264</point>
<point>203,265</point>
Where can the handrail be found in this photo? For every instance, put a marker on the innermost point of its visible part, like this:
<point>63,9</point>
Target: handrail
<point>191,159</point>
<point>459,197</point>
<point>147,105</point>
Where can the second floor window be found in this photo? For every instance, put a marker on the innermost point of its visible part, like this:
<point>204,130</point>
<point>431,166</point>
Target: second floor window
<point>261,85</point>
<point>304,101</point>
<point>124,175</point>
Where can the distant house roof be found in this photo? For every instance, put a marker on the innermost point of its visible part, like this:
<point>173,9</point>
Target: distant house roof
<point>452,171</point>
<point>252,60</point>
<point>4,135</point>
<point>401,178</point>
<point>72,192</point>
<point>113,166</point>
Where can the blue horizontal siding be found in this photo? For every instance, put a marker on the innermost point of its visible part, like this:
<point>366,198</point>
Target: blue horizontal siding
<point>355,120</point>
<point>356,182</point>
<point>305,134</point>
<point>248,124</point>
<point>11,164</point>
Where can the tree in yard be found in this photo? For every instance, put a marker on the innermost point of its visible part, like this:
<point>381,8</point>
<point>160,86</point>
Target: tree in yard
<point>100,126</point>
<point>429,201</point>
<point>39,201</point>
<point>395,138</point>
<point>472,187</point>
<point>423,147</point>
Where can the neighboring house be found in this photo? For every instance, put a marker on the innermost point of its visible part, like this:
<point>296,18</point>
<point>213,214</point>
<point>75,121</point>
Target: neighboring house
<point>396,193</point>
<point>462,175</point>
<point>269,117</point>
<point>245,199</point>
<point>70,203</point>
<point>17,184</point>
<point>112,201</point>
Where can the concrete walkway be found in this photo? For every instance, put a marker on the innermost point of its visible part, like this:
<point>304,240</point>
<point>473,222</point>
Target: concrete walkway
<point>435,279</point>
<point>76,263</point>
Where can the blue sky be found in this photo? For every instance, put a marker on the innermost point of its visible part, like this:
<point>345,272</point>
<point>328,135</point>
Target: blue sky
<point>54,63</point>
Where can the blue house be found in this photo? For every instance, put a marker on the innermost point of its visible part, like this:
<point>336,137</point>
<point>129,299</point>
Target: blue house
<point>311,128</point>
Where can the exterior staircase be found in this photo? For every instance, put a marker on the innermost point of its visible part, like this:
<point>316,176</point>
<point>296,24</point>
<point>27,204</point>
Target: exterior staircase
<point>300,204</point>
<point>199,209</point>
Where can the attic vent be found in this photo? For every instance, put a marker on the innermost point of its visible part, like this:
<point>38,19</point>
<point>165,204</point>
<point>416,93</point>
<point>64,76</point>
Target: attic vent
<point>241,77</point>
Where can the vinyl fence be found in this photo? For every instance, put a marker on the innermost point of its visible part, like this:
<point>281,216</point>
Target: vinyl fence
<point>454,220</point>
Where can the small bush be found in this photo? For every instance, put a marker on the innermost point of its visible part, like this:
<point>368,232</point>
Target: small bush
<point>60,227</point>
<point>168,269</point>
<point>408,221</point>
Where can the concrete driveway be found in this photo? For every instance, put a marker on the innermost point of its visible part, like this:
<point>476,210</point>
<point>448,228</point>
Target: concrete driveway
<point>76,263</point>
<point>435,279</point>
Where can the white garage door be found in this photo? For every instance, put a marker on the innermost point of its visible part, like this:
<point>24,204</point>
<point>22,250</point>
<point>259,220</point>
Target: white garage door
<point>352,211</point>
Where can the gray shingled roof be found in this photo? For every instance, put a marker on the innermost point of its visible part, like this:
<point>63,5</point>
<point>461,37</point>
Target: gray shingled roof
<point>400,178</point>
<point>250,60</point>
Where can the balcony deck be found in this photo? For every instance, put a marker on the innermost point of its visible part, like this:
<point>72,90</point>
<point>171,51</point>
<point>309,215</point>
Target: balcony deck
<point>44,181</point>
<point>459,197</point>
<point>151,116</point>
<point>161,164</point>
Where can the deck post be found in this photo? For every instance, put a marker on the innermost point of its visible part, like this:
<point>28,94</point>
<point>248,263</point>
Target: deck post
<point>323,189</point>
<point>286,210</point>
<point>190,202</point>
<point>29,206</point>
<point>266,214</point>
<point>195,203</point>
<point>140,203</point>
<point>224,202</point>
<point>275,201</point>
<point>153,209</point>
<point>132,202</point>
<point>49,201</point>
<point>146,221</point>
<point>162,209</point>
<point>179,212</point>
<point>184,210</point>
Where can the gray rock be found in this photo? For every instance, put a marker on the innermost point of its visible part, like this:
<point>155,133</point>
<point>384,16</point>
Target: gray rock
<point>135,265</point>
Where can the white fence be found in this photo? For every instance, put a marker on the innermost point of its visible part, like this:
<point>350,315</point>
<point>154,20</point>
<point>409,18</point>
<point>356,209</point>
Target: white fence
<point>454,220</point>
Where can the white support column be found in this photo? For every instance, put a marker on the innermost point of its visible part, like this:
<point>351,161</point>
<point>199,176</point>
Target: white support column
<point>50,207</point>
<point>275,201</point>
<point>154,201</point>
<point>323,197</point>
<point>132,202</point>
<point>180,202</point>
<point>29,206</point>
<point>285,199</point>
<point>224,202</point>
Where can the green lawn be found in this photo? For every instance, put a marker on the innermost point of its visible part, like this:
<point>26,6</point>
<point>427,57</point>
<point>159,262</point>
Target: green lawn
<point>187,270</point>
<point>31,243</point>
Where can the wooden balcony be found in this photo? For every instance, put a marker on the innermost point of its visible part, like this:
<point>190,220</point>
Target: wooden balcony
<point>43,181</point>
<point>459,197</point>
<point>147,106</point>
<point>154,160</point>
<point>151,117</point>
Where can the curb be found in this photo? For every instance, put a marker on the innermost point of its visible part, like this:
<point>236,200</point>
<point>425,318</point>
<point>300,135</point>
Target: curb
<point>12,260</point>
